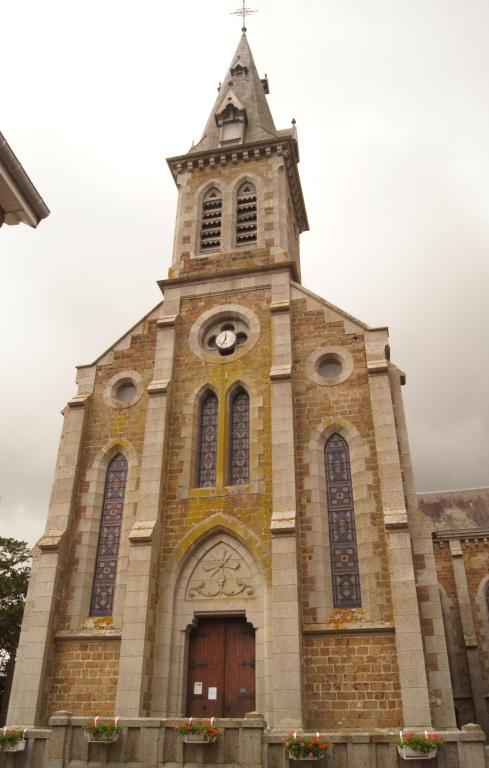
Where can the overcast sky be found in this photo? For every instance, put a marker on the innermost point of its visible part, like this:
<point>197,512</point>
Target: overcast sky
<point>391,99</point>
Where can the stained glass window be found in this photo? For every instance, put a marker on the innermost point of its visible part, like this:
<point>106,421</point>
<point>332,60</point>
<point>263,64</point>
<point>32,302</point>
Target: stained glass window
<point>246,214</point>
<point>239,438</point>
<point>208,441</point>
<point>341,516</point>
<point>110,533</point>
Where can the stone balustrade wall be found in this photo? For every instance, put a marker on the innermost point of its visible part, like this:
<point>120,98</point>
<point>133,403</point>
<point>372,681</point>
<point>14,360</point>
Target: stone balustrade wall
<point>247,743</point>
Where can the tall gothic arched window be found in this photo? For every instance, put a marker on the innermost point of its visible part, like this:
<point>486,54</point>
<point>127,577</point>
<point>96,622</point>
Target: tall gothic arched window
<point>207,454</point>
<point>246,217</point>
<point>109,537</point>
<point>239,438</point>
<point>341,516</point>
<point>210,225</point>
<point>486,595</point>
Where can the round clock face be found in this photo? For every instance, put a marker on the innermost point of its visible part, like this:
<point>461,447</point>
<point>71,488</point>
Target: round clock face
<point>226,340</point>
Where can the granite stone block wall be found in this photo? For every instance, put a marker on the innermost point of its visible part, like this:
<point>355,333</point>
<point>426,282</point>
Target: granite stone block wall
<point>85,677</point>
<point>352,681</point>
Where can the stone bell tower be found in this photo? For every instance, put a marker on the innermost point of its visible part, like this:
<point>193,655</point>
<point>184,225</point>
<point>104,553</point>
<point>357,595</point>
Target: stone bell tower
<point>243,154</point>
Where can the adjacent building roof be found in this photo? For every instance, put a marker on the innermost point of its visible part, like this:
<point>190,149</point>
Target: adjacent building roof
<point>456,510</point>
<point>19,199</point>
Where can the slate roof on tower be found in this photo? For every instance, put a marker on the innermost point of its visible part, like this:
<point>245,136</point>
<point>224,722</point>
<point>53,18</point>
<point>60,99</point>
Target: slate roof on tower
<point>244,89</point>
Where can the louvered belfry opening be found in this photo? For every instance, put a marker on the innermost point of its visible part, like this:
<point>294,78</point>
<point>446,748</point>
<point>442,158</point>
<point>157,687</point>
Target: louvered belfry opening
<point>210,232</point>
<point>246,214</point>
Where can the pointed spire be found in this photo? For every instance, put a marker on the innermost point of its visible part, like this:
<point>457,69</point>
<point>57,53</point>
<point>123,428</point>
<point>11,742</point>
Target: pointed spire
<point>241,86</point>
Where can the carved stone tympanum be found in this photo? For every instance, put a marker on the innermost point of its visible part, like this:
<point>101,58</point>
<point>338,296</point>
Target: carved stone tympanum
<point>220,573</point>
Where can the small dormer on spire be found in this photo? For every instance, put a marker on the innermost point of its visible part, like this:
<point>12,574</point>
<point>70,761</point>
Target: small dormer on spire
<point>238,68</point>
<point>231,118</point>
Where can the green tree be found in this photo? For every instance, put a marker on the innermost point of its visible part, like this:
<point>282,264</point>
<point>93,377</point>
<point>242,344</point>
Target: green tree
<point>14,576</point>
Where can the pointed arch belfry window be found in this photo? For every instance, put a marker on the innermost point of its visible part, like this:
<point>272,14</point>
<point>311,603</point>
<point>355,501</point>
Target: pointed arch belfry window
<point>211,220</point>
<point>246,214</point>
<point>341,522</point>
<point>109,537</point>
<point>207,455</point>
<point>239,438</point>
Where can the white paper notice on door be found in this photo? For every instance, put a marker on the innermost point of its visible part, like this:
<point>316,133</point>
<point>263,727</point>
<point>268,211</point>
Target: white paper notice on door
<point>212,693</point>
<point>197,689</point>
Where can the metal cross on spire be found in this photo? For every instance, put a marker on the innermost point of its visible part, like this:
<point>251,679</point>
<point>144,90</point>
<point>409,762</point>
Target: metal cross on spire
<point>243,12</point>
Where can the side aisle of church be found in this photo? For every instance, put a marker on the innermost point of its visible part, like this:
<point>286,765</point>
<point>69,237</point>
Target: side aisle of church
<point>233,526</point>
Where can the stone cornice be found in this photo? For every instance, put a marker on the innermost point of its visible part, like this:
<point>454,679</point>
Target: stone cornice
<point>284,147</point>
<point>367,630</point>
<point>464,534</point>
<point>205,277</point>
<point>88,634</point>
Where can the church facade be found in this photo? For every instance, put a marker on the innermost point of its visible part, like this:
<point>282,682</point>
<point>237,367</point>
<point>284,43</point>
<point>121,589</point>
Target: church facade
<point>233,525</point>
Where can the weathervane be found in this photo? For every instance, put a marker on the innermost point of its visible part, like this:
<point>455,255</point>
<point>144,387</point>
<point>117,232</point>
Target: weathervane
<point>243,12</point>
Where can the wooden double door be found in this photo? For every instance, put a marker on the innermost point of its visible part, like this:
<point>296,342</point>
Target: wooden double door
<point>221,668</point>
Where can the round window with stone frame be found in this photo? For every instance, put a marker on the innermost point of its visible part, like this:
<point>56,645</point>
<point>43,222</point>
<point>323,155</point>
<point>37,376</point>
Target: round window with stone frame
<point>225,336</point>
<point>329,366</point>
<point>124,389</point>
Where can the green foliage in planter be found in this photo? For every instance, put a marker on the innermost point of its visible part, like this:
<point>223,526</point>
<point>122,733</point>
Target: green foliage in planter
<point>204,728</point>
<point>102,728</point>
<point>421,743</point>
<point>9,737</point>
<point>307,746</point>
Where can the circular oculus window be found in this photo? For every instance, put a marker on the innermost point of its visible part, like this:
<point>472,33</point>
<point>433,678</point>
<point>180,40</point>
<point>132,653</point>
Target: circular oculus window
<point>124,389</point>
<point>224,338</point>
<point>329,366</point>
<point>225,333</point>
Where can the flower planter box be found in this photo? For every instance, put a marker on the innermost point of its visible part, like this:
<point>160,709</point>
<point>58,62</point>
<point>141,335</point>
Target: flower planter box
<point>312,757</point>
<point>101,730</point>
<point>197,738</point>
<point>101,739</point>
<point>407,753</point>
<point>19,747</point>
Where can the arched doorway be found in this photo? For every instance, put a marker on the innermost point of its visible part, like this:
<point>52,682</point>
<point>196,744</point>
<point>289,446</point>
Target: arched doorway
<point>221,667</point>
<point>219,578</point>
